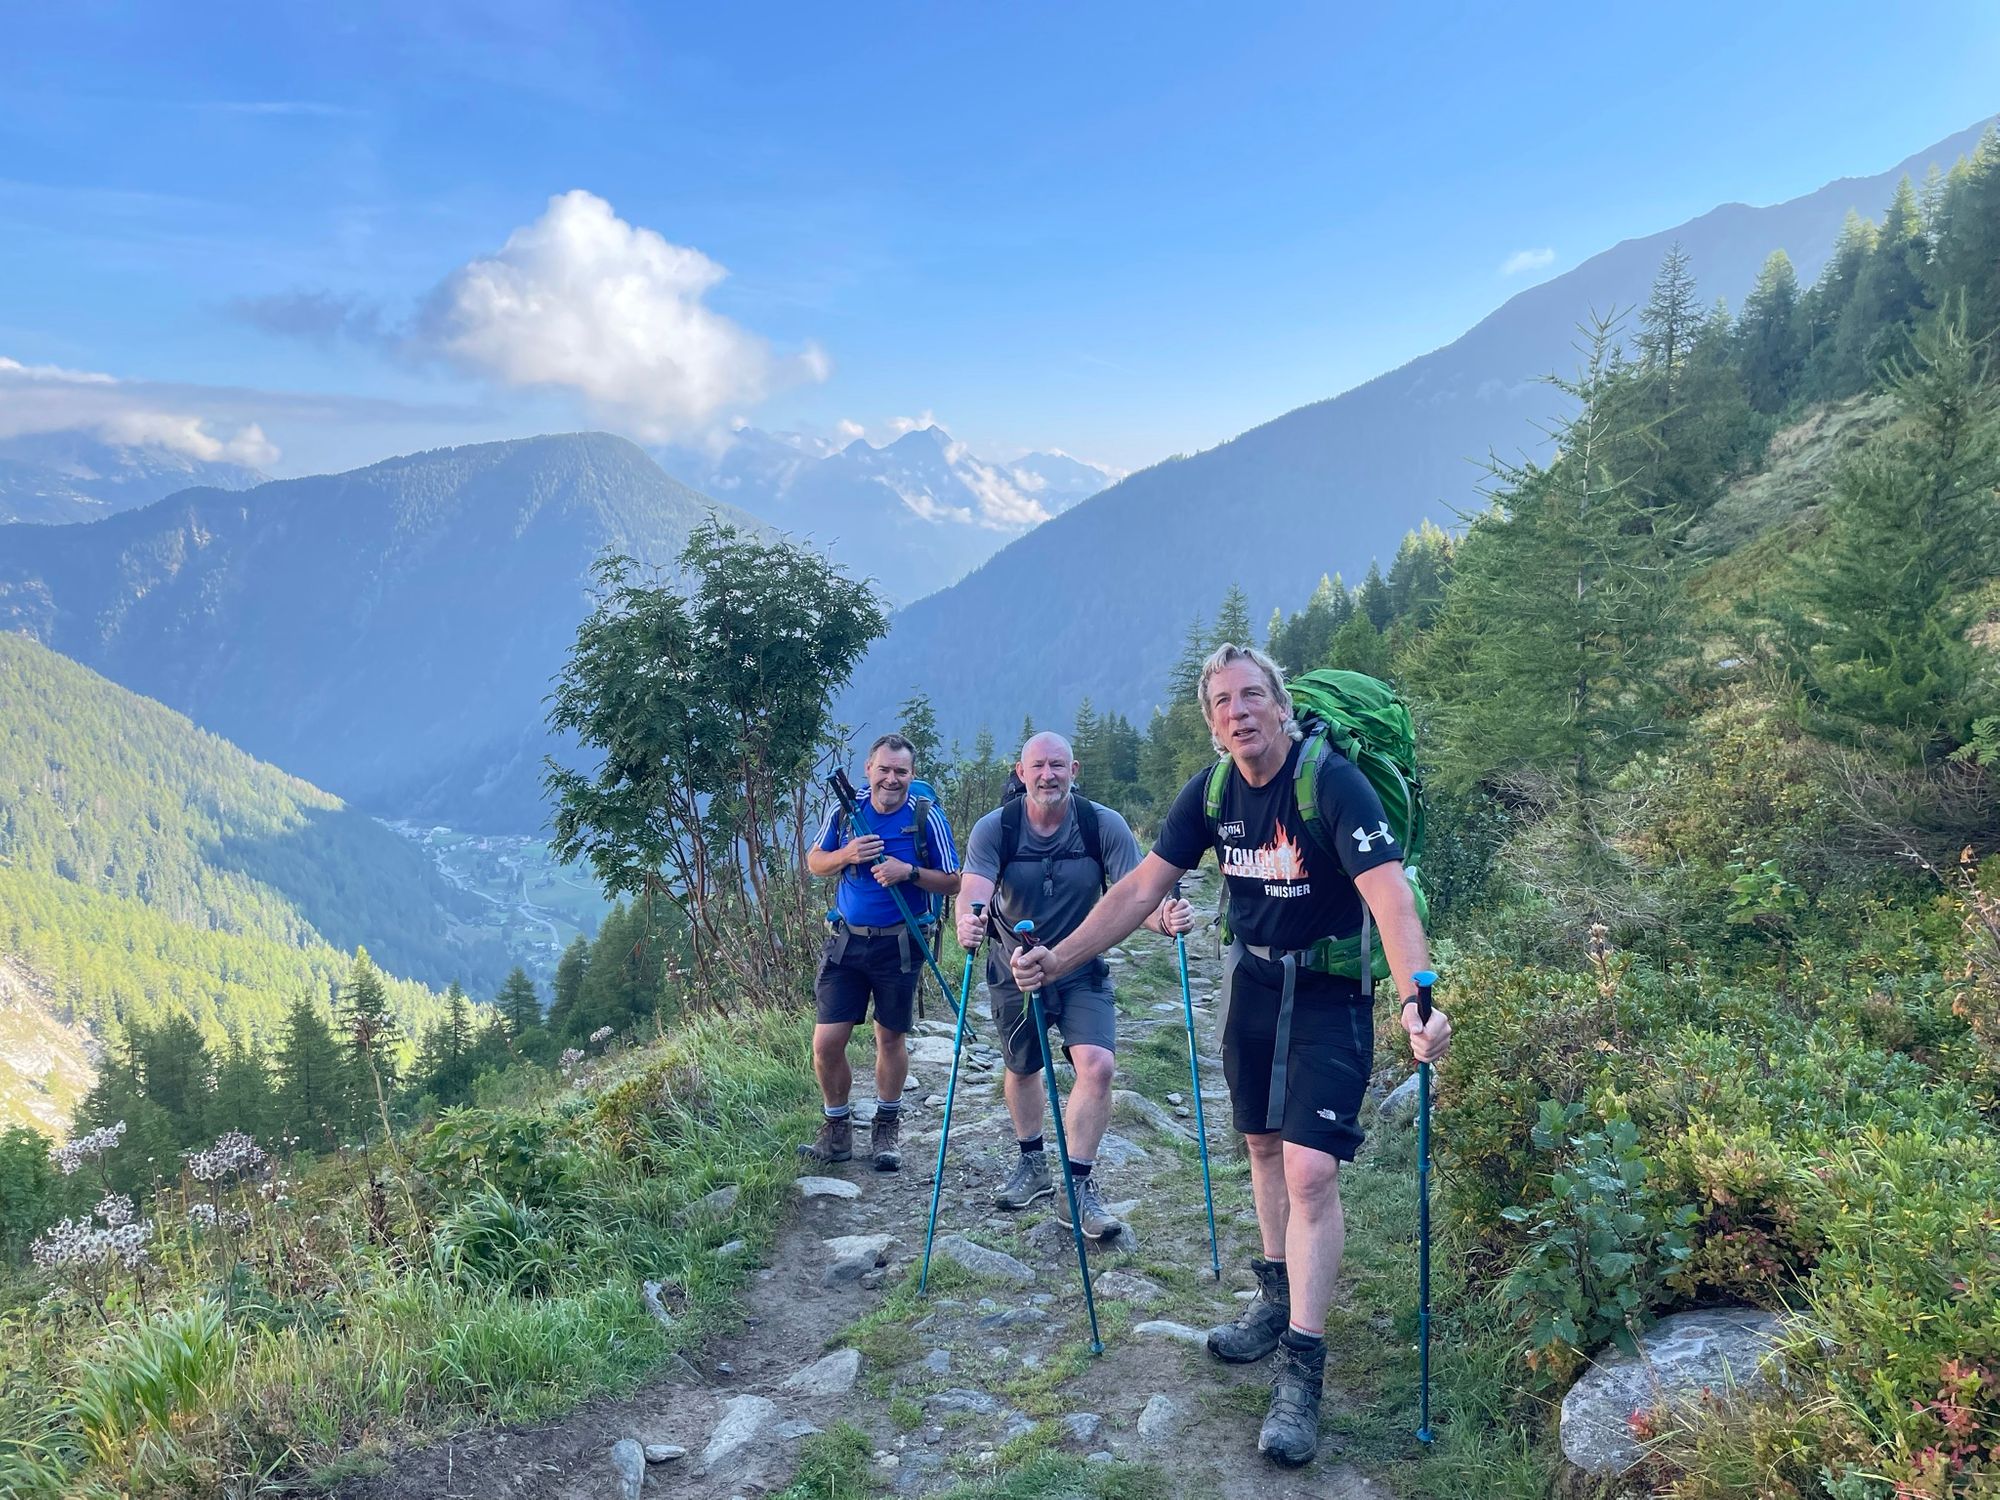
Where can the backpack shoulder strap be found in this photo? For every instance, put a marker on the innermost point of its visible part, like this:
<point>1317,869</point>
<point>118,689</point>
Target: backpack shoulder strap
<point>1305,782</point>
<point>1211,797</point>
<point>920,827</point>
<point>1011,813</point>
<point>1093,838</point>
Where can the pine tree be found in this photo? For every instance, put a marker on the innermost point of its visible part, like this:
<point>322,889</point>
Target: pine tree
<point>1027,728</point>
<point>312,1081</point>
<point>1419,575</point>
<point>1667,324</point>
<point>1825,308</point>
<point>1372,599</point>
<point>1358,647</point>
<point>370,1034</point>
<point>1232,621</point>
<point>519,1006</point>
<point>1560,648</point>
<point>571,970</point>
<point>245,1098</point>
<point>1185,678</point>
<point>1083,740</point>
<point>1769,342</point>
<point>1965,263</point>
<point>1888,294</point>
<point>1878,637</point>
<point>918,724</point>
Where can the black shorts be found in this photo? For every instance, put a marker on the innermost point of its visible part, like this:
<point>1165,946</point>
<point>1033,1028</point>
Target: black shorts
<point>853,968</point>
<point>1080,1005</point>
<point>1324,1069</point>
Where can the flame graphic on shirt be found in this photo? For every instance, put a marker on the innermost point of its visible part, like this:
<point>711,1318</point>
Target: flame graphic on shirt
<point>1281,859</point>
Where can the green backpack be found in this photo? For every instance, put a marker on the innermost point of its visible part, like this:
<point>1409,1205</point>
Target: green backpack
<point>1363,719</point>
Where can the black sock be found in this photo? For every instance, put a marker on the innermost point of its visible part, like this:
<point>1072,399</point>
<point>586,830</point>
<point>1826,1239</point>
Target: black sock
<point>1312,1345</point>
<point>1080,1170</point>
<point>836,1111</point>
<point>888,1106</point>
<point>1031,1148</point>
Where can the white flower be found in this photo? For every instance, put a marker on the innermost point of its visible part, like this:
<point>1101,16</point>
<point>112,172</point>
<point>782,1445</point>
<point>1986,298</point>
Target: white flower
<point>73,1154</point>
<point>602,1034</point>
<point>233,1152</point>
<point>116,1210</point>
<point>570,1058</point>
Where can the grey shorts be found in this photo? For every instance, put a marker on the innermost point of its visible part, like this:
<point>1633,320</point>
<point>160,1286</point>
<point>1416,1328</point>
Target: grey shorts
<point>1081,1006</point>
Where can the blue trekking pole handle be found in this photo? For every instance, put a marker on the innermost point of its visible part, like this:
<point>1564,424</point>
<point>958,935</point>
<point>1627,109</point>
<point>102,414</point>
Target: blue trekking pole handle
<point>950,1094</point>
<point>844,790</point>
<point>1200,1121</point>
<point>1040,1022</point>
<point>1424,979</point>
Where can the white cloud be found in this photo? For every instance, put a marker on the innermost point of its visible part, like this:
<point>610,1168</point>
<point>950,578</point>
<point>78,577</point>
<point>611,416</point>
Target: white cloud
<point>48,398</point>
<point>583,301</point>
<point>900,425</point>
<point>849,430</point>
<point>1528,260</point>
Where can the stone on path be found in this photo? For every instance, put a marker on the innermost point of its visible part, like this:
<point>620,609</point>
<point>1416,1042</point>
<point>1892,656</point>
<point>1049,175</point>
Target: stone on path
<point>629,1459</point>
<point>830,1376</point>
<point>1116,1151</point>
<point>1048,1236</point>
<point>792,1431</point>
<point>852,1256</point>
<point>1160,1328</point>
<point>1714,1350</point>
<point>826,1187</point>
<point>932,1050</point>
<point>961,1399</point>
<point>744,1419</point>
<point>650,1291</point>
<point>1161,1420</point>
<point>664,1453</point>
<point>719,1204</point>
<point>995,1265</point>
<point>1176,1099</point>
<point>938,1362</point>
<point>1122,1286</point>
<point>1082,1427</point>
<point>1129,1104</point>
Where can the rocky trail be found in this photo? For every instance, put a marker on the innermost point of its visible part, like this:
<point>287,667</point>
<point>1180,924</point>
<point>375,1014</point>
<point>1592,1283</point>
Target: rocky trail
<point>955,1390</point>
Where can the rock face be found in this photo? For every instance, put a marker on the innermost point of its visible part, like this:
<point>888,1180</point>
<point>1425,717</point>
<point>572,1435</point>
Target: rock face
<point>1716,1350</point>
<point>1125,1287</point>
<point>1161,1328</point>
<point>1160,1420</point>
<point>629,1459</point>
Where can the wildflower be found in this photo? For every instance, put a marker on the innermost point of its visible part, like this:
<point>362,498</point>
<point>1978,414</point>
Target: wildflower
<point>71,1155</point>
<point>232,1153</point>
<point>115,1209</point>
<point>202,1215</point>
<point>568,1061</point>
<point>602,1034</point>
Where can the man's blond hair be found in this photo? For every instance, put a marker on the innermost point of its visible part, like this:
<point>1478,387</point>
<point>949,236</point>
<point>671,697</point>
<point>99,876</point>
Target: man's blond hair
<point>1229,653</point>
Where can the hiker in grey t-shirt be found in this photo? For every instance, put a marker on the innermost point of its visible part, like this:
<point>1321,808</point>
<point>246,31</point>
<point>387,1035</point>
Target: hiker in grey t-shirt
<point>1048,856</point>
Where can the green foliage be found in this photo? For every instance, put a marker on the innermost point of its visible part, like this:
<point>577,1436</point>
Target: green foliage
<point>147,1385</point>
<point>32,1194</point>
<point>498,1241</point>
<point>1879,634</point>
<point>832,1466</point>
<point>1600,1246</point>
<point>709,708</point>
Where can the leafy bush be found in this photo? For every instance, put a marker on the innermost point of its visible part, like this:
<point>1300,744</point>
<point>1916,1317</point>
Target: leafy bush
<point>1753,1231</point>
<point>496,1240</point>
<point>1600,1246</point>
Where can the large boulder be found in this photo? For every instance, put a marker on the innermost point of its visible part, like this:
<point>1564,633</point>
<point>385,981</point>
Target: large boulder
<point>1716,1351</point>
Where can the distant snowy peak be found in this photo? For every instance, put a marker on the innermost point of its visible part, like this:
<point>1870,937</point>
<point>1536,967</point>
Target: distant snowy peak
<point>916,512</point>
<point>60,477</point>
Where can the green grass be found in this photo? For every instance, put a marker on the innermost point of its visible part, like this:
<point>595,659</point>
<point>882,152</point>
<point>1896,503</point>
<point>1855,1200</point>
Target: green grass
<point>832,1466</point>
<point>1060,1476</point>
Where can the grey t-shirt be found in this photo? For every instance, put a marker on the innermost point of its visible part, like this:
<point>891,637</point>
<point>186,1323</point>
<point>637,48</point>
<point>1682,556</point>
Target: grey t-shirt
<point>1056,892</point>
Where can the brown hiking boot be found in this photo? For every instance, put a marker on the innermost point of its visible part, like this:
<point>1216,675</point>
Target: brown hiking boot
<point>883,1147</point>
<point>835,1141</point>
<point>1264,1318</point>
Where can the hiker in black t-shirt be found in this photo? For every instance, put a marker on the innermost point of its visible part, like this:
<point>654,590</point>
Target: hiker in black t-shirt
<point>1297,1045</point>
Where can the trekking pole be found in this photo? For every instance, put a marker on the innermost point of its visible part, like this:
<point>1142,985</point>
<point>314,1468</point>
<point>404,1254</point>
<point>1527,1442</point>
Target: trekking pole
<point>850,804</point>
<point>950,1093</point>
<point>1194,1077</point>
<point>1424,980</point>
<point>1040,1023</point>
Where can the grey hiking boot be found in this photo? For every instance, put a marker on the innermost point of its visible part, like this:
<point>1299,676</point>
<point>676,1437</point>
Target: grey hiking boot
<point>1029,1182</point>
<point>1098,1221</point>
<point>1255,1332</point>
<point>883,1141</point>
<point>835,1141</point>
<point>1291,1427</point>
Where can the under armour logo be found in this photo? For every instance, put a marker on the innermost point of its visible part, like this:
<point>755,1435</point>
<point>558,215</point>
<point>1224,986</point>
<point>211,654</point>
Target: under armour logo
<point>1367,839</point>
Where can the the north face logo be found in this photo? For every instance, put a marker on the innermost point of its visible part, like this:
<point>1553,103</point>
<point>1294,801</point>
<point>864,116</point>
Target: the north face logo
<point>1366,839</point>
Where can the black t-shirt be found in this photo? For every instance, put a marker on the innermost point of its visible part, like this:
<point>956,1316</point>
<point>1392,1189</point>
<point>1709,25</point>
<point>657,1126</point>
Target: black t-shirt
<point>1280,893</point>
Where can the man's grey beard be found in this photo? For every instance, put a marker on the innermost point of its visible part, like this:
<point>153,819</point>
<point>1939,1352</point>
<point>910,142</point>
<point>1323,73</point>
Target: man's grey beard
<point>1049,799</point>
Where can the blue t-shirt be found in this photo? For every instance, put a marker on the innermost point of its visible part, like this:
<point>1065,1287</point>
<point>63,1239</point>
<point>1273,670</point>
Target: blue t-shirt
<point>860,900</point>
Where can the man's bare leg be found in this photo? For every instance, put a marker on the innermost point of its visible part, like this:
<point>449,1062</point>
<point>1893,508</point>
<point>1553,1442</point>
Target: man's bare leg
<point>1088,1110</point>
<point>892,1062</point>
<point>1316,1234</point>
<point>1267,1190</point>
<point>830,1064</point>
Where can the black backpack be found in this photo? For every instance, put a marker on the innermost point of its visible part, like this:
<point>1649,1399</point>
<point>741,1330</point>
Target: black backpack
<point>1013,821</point>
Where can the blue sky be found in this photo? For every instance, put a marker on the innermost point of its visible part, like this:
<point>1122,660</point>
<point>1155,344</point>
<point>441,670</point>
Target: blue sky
<point>1121,230</point>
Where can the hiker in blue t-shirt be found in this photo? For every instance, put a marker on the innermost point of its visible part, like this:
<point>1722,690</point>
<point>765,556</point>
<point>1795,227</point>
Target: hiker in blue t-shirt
<point>1297,1044</point>
<point>871,953</point>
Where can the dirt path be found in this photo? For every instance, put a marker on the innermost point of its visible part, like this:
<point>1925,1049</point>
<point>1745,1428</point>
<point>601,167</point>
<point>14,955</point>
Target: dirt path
<point>990,1368</point>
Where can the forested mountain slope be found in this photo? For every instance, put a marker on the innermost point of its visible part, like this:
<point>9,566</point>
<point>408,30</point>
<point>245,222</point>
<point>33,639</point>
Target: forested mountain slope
<point>387,633</point>
<point>149,869</point>
<point>1328,486</point>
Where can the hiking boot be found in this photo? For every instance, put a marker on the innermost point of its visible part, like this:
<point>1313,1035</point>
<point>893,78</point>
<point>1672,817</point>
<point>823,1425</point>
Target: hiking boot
<point>1265,1316</point>
<point>1098,1221</point>
<point>883,1141</point>
<point>1029,1182</point>
<point>835,1141</point>
<point>1291,1427</point>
